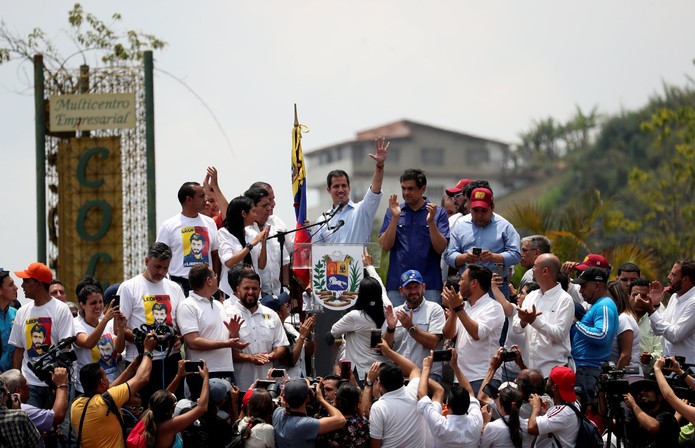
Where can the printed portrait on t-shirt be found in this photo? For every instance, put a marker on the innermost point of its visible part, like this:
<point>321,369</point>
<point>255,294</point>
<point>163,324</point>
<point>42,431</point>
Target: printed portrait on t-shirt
<point>104,354</point>
<point>196,245</point>
<point>38,333</point>
<point>157,310</point>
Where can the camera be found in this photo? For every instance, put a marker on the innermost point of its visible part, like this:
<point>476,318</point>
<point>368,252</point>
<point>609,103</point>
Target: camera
<point>668,363</point>
<point>164,333</point>
<point>56,356</point>
<point>610,381</point>
<point>508,355</point>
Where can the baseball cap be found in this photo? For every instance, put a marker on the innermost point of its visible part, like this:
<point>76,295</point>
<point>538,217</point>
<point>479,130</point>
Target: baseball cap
<point>565,379</point>
<point>247,396</point>
<point>36,271</point>
<point>637,386</point>
<point>110,292</point>
<point>219,389</point>
<point>411,276</point>
<point>458,188</point>
<point>593,260</point>
<point>274,302</point>
<point>592,274</point>
<point>184,405</point>
<point>481,197</point>
<point>296,391</point>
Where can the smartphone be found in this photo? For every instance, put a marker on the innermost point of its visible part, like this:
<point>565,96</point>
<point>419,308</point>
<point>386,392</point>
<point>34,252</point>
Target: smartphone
<point>441,355</point>
<point>192,366</point>
<point>263,384</point>
<point>278,373</point>
<point>115,301</point>
<point>375,338</point>
<point>491,391</point>
<point>345,368</point>
<point>499,269</point>
<point>477,251</point>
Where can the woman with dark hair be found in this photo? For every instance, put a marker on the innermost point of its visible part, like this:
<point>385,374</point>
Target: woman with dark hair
<point>355,433</point>
<point>238,242</point>
<point>99,332</point>
<point>626,349</point>
<point>357,325</point>
<point>510,430</point>
<point>257,432</point>
<point>161,428</point>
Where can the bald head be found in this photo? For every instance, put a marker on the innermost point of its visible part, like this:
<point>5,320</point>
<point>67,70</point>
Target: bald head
<point>545,271</point>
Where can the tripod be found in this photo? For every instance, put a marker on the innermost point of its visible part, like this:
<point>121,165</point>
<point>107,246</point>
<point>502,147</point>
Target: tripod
<point>617,415</point>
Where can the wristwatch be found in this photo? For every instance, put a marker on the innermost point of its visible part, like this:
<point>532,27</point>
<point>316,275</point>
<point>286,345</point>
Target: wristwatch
<point>150,354</point>
<point>368,383</point>
<point>411,330</point>
<point>458,308</point>
<point>249,246</point>
<point>390,330</point>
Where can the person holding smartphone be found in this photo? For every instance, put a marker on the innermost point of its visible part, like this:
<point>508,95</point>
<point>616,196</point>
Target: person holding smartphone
<point>205,331</point>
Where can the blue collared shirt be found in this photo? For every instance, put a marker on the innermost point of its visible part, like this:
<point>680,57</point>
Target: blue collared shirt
<point>412,248</point>
<point>358,219</point>
<point>498,236</point>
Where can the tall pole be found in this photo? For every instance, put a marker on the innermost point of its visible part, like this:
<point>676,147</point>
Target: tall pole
<point>149,145</point>
<point>40,136</point>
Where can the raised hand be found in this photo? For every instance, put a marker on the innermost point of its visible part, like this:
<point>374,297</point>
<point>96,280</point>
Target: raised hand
<point>391,319</point>
<point>234,325</point>
<point>394,206</point>
<point>382,147</point>
<point>431,212</point>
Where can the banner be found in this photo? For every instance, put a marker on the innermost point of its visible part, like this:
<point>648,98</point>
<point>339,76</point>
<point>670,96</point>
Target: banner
<point>90,210</point>
<point>93,111</point>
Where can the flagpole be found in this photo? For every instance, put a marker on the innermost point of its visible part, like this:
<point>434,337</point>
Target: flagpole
<point>296,120</point>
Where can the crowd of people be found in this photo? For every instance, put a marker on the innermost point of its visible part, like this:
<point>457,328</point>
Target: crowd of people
<point>209,346</point>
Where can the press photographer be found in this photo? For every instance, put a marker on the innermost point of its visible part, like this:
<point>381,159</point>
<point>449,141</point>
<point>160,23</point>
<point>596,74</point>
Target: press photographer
<point>682,407</point>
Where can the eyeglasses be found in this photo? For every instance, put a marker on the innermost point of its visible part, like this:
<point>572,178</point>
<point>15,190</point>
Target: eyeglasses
<point>457,195</point>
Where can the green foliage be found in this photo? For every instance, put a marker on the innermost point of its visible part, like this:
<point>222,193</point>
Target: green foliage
<point>665,191</point>
<point>320,274</point>
<point>88,33</point>
<point>355,277</point>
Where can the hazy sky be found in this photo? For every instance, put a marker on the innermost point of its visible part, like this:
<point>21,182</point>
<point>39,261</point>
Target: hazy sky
<point>485,68</point>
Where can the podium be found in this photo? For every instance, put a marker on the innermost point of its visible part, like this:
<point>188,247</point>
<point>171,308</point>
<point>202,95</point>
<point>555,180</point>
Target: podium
<point>336,273</point>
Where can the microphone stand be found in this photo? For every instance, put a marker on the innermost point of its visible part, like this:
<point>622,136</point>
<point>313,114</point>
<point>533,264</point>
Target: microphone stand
<point>280,235</point>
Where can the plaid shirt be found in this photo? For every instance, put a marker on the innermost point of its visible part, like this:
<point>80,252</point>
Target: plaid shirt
<point>16,430</point>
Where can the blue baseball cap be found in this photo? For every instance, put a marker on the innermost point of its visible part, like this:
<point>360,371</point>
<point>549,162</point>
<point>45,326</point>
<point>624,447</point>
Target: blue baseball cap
<point>411,276</point>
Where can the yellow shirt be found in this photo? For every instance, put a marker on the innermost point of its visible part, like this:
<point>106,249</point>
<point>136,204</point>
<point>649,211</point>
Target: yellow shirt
<point>99,430</point>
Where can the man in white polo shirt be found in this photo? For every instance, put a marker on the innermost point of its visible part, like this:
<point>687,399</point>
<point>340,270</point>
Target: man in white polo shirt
<point>207,335</point>
<point>261,327</point>
<point>476,321</point>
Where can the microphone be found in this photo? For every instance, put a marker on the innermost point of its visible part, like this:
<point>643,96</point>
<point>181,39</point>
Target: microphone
<point>66,342</point>
<point>340,224</point>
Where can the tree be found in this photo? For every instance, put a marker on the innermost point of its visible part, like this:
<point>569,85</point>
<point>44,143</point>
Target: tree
<point>665,192</point>
<point>88,34</point>
<point>581,226</point>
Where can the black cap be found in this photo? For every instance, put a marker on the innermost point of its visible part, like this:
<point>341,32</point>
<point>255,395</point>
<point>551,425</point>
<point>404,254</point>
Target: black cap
<point>592,274</point>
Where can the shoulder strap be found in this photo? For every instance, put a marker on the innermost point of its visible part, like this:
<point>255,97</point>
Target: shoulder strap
<point>111,404</point>
<point>84,412</point>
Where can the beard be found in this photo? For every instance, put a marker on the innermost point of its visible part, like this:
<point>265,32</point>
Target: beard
<point>249,305</point>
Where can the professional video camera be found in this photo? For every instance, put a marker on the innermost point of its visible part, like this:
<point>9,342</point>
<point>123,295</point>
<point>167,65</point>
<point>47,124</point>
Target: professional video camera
<point>56,356</point>
<point>610,381</point>
<point>680,388</point>
<point>164,333</point>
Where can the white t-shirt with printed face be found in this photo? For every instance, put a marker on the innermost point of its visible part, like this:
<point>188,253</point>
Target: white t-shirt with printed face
<point>35,326</point>
<point>150,304</point>
<point>191,240</point>
<point>104,352</point>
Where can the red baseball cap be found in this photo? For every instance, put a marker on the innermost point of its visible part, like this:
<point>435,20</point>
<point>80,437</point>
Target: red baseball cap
<point>458,188</point>
<point>565,379</point>
<point>595,260</point>
<point>36,271</point>
<point>481,197</point>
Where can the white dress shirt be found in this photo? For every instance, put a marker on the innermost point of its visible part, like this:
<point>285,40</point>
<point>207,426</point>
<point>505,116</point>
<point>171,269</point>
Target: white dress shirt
<point>548,341</point>
<point>676,325</point>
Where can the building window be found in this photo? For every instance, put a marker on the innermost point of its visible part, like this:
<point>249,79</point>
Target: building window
<point>432,156</point>
<point>477,156</point>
